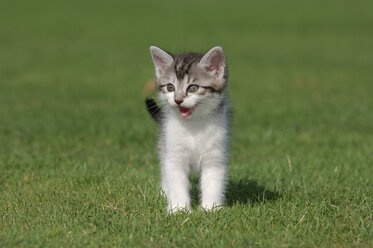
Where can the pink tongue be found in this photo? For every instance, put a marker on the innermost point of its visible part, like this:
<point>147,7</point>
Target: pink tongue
<point>185,112</point>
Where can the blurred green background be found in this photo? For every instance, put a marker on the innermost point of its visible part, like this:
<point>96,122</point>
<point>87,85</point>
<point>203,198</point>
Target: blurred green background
<point>78,150</point>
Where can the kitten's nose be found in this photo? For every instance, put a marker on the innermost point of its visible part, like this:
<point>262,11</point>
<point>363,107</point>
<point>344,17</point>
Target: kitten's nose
<point>178,102</point>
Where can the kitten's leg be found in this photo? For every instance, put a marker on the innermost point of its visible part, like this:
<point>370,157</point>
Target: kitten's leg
<point>212,183</point>
<point>175,183</point>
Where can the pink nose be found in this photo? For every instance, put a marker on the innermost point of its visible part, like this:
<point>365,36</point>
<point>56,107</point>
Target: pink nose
<point>178,102</point>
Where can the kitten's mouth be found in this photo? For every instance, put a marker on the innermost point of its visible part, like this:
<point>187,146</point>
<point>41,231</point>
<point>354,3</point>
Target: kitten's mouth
<point>186,112</point>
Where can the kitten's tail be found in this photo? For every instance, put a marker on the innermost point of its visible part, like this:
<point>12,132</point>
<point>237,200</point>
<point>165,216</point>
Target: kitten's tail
<point>153,109</point>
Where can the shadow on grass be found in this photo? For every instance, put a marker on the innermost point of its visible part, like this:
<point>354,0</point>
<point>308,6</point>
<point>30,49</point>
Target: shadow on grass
<point>242,191</point>
<point>246,191</point>
<point>194,190</point>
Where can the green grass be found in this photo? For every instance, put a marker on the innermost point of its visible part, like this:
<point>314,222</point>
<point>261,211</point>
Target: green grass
<point>78,162</point>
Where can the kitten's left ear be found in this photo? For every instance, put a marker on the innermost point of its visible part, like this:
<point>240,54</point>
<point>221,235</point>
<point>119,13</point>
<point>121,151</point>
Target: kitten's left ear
<point>161,60</point>
<point>214,62</point>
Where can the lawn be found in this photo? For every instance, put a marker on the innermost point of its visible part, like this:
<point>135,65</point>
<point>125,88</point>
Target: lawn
<point>78,158</point>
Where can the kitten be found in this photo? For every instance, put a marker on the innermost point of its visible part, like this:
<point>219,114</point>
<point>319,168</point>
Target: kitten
<point>194,123</point>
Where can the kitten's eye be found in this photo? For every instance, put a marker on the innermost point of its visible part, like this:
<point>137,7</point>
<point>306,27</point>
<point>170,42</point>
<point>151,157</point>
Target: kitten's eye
<point>170,87</point>
<point>193,88</point>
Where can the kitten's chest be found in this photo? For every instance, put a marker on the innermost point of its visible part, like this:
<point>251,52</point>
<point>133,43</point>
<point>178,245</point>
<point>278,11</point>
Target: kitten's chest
<point>195,138</point>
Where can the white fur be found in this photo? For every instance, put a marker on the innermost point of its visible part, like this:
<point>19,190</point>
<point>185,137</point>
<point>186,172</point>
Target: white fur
<point>194,144</point>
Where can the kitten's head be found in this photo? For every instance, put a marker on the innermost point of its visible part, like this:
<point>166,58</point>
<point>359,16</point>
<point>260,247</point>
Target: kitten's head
<point>191,84</point>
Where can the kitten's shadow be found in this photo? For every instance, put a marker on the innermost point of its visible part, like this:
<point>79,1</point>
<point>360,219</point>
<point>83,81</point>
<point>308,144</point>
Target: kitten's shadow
<point>241,191</point>
<point>246,191</point>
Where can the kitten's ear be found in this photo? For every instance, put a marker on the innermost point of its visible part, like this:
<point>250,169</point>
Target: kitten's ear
<point>214,62</point>
<point>161,59</point>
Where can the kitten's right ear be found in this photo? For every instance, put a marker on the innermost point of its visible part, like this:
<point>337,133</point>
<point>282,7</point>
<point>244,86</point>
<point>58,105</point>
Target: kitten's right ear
<point>161,59</point>
<point>214,62</point>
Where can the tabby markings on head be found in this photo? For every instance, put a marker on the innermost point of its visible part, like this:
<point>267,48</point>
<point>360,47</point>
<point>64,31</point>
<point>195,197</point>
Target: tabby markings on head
<point>184,61</point>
